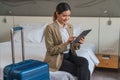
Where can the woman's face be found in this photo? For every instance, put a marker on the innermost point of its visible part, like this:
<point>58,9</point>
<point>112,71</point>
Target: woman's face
<point>63,17</point>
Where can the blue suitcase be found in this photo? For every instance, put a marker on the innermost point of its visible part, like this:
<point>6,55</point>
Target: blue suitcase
<point>26,69</point>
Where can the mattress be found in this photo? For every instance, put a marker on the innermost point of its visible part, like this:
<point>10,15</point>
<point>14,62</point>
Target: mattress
<point>37,51</point>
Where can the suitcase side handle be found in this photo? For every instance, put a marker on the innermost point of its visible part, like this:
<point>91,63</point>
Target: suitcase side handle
<point>17,28</point>
<point>12,43</point>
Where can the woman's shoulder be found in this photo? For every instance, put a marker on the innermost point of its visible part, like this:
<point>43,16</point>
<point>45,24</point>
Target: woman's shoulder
<point>70,25</point>
<point>51,26</point>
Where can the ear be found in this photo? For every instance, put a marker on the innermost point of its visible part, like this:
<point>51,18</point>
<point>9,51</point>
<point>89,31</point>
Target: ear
<point>56,13</point>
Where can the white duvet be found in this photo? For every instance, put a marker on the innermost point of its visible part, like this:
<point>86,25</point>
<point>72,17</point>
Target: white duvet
<point>90,56</point>
<point>37,51</point>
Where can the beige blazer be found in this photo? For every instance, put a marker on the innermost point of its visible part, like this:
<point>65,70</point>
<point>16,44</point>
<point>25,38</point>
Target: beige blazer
<point>55,46</point>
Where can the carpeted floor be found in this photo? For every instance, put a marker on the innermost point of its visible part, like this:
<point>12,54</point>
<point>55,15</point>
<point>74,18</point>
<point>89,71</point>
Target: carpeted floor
<point>106,74</point>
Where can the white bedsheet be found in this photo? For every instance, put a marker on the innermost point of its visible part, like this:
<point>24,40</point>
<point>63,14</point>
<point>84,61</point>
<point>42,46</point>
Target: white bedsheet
<point>36,51</point>
<point>90,56</point>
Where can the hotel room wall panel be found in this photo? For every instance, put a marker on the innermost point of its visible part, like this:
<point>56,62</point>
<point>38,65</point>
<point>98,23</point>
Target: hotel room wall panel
<point>31,20</point>
<point>103,36</point>
<point>5,27</point>
<point>109,36</point>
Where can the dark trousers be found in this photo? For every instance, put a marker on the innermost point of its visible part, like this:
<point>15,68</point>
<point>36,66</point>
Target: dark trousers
<point>77,66</point>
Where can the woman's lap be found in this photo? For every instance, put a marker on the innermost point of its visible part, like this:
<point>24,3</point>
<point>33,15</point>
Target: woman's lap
<point>77,66</point>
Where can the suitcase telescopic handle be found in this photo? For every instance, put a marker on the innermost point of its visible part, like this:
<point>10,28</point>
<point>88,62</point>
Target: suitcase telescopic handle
<point>12,43</point>
<point>17,28</point>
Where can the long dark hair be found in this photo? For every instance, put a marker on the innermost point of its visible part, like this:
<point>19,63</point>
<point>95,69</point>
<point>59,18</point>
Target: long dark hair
<point>61,7</point>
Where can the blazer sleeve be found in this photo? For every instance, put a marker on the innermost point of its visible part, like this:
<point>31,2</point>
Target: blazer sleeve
<point>54,45</point>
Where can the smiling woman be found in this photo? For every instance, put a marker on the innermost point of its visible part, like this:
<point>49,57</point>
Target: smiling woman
<point>61,54</point>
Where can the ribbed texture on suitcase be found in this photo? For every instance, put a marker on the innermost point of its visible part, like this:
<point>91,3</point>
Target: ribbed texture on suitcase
<point>27,70</point>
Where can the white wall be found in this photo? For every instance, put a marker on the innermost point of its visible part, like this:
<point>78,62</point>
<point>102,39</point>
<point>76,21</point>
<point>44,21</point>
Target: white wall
<point>109,36</point>
<point>105,37</point>
<point>15,20</point>
<point>4,28</point>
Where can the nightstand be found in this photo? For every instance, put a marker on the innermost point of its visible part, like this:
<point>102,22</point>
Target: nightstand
<point>107,61</point>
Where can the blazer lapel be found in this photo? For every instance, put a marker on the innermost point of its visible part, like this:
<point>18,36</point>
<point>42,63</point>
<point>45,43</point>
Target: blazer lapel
<point>57,32</point>
<point>69,29</point>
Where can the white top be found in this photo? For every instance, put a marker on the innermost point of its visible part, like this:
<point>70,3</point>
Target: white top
<point>64,35</point>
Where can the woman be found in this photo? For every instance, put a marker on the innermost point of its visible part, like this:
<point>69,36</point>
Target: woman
<point>61,53</point>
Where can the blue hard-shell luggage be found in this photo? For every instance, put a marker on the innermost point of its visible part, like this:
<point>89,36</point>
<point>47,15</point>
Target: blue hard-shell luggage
<point>26,69</point>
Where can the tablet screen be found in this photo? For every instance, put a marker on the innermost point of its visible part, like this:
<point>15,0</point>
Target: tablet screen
<point>84,33</point>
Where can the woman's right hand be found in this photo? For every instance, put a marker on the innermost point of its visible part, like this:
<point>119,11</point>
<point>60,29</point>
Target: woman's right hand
<point>70,39</point>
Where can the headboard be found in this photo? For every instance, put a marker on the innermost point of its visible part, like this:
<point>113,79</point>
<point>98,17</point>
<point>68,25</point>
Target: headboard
<point>82,22</point>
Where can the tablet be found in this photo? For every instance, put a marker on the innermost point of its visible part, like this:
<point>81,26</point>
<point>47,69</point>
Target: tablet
<point>84,33</point>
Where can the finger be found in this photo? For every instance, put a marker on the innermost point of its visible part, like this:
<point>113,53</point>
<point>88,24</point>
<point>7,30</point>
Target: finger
<point>83,37</point>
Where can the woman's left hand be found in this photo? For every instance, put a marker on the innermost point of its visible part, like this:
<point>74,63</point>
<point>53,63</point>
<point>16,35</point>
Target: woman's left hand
<point>82,40</point>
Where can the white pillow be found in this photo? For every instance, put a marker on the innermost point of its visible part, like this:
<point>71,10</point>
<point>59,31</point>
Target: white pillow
<point>76,29</point>
<point>32,33</point>
<point>89,46</point>
<point>36,35</point>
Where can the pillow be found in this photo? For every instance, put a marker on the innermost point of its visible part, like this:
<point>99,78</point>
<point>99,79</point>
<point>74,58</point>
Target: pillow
<point>36,35</point>
<point>89,46</point>
<point>76,29</point>
<point>32,33</point>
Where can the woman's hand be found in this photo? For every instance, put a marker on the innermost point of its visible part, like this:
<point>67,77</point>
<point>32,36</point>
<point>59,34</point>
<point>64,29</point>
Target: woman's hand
<point>82,40</point>
<point>70,39</point>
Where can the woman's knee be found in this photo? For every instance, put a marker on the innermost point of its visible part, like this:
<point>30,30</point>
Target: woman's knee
<point>83,62</point>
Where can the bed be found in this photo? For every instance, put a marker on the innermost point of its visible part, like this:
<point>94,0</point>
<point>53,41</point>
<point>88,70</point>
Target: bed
<point>35,49</point>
